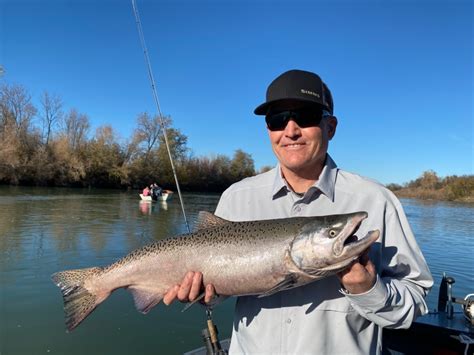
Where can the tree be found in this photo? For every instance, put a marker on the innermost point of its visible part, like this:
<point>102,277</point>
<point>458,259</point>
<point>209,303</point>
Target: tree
<point>18,140</point>
<point>69,168</point>
<point>265,168</point>
<point>16,108</point>
<point>104,159</point>
<point>394,187</point>
<point>429,180</point>
<point>51,114</point>
<point>75,128</point>
<point>9,155</point>
<point>148,132</point>
<point>177,142</point>
<point>242,165</point>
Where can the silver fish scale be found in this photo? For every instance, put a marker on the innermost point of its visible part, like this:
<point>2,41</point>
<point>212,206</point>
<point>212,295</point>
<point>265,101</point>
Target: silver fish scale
<point>229,234</point>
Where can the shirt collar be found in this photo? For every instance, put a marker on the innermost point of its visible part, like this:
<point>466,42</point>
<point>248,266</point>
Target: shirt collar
<point>326,182</point>
<point>280,187</point>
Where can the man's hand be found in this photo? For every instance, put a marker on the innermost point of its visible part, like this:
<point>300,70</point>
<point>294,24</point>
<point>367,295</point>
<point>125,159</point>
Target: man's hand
<point>189,289</point>
<point>360,276</point>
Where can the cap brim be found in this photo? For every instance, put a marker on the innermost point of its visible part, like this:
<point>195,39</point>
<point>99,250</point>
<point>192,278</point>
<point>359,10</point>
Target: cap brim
<point>292,104</point>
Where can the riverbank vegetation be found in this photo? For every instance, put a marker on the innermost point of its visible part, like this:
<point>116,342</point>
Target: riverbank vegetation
<point>431,187</point>
<point>47,146</point>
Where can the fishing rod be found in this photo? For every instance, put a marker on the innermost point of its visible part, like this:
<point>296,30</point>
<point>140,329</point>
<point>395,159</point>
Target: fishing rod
<point>211,340</point>
<point>157,103</point>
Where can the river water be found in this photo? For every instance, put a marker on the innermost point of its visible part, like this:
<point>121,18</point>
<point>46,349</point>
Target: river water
<point>45,230</point>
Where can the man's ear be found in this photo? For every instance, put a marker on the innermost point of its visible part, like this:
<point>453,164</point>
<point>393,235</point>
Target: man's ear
<point>331,125</point>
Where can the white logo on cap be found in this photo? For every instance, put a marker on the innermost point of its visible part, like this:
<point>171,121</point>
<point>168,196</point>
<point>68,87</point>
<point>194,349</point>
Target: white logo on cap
<point>303,91</point>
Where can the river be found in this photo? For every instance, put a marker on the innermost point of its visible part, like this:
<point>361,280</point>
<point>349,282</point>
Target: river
<point>44,230</point>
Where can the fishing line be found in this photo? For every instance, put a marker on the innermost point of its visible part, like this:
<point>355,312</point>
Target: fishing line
<point>214,344</point>
<point>157,103</point>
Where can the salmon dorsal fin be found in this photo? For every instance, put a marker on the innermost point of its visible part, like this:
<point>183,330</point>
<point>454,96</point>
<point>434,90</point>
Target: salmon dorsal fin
<point>208,220</point>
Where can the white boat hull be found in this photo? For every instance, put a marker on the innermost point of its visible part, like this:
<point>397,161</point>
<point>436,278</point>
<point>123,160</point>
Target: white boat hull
<point>165,196</point>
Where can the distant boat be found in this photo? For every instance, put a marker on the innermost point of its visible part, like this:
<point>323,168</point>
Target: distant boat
<point>165,196</point>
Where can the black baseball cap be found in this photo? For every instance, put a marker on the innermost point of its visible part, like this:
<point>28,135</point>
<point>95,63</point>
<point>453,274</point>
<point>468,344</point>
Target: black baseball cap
<point>298,86</point>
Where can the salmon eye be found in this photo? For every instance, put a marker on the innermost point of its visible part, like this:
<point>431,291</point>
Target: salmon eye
<point>332,233</point>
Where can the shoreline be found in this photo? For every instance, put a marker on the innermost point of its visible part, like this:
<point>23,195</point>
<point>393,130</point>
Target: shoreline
<point>430,196</point>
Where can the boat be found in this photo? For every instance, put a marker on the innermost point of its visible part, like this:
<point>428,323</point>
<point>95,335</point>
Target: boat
<point>164,196</point>
<point>446,330</point>
<point>443,331</point>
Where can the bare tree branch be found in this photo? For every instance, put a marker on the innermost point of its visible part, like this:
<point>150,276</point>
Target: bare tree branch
<point>51,114</point>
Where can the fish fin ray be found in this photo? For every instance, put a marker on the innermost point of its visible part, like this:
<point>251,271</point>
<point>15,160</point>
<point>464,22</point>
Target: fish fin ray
<point>319,273</point>
<point>325,271</point>
<point>78,301</point>
<point>208,220</point>
<point>145,299</point>
<point>216,300</point>
<point>288,282</point>
<point>190,304</point>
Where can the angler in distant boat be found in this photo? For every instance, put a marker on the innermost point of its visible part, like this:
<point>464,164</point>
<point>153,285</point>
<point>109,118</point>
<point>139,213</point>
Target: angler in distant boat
<point>155,193</point>
<point>146,191</point>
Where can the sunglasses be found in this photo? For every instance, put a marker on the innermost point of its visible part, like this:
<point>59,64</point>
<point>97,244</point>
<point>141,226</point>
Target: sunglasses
<point>306,117</point>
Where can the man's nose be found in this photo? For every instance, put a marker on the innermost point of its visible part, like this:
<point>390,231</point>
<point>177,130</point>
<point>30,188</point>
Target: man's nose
<point>292,129</point>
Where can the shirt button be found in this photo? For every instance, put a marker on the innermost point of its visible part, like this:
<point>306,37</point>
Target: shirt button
<point>288,321</point>
<point>298,209</point>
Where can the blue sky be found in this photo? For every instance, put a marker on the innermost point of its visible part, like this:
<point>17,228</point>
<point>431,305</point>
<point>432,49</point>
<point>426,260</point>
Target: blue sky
<point>400,71</point>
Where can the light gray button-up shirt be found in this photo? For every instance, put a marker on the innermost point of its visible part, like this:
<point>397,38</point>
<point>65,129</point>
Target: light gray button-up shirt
<point>320,318</point>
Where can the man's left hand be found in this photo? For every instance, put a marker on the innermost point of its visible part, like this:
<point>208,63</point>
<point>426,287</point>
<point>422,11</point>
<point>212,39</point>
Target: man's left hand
<point>360,276</point>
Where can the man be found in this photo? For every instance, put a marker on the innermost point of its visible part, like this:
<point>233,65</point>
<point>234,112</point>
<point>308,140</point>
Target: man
<point>156,191</point>
<point>342,314</point>
<point>146,191</point>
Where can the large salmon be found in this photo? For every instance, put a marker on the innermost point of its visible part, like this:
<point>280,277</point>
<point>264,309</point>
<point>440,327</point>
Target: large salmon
<point>238,258</point>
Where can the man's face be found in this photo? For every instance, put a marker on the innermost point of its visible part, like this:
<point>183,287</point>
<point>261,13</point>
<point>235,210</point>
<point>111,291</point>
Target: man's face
<point>303,150</point>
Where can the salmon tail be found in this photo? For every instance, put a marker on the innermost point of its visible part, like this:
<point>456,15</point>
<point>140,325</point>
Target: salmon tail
<point>78,301</point>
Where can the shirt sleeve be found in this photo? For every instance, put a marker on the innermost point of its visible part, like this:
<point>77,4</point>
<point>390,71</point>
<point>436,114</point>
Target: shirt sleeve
<point>222,209</point>
<point>404,279</point>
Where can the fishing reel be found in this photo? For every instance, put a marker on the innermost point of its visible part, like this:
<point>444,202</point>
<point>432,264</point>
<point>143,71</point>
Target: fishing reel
<point>209,334</point>
<point>446,300</point>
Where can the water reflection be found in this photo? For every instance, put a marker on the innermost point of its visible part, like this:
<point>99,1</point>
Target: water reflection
<point>146,207</point>
<point>149,207</point>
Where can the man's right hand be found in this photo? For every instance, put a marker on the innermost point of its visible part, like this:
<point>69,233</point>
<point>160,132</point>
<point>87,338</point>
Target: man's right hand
<point>189,289</point>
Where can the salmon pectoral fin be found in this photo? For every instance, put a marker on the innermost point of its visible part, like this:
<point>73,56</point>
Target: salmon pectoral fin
<point>145,299</point>
<point>288,282</point>
<point>215,300</point>
<point>78,301</point>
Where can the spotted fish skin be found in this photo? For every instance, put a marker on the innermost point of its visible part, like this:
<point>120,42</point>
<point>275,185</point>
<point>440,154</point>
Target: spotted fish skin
<point>238,258</point>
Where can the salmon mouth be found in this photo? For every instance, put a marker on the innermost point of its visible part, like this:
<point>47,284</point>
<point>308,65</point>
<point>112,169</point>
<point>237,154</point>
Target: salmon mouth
<point>353,238</point>
<point>351,250</point>
<point>347,235</point>
<point>355,245</point>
